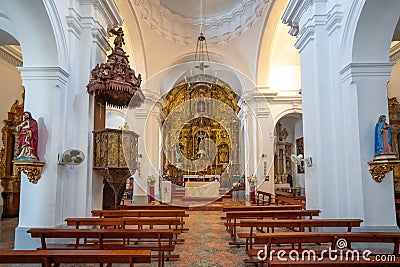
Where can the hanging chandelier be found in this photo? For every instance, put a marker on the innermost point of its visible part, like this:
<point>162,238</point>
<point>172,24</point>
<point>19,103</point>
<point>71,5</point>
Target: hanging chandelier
<point>202,71</point>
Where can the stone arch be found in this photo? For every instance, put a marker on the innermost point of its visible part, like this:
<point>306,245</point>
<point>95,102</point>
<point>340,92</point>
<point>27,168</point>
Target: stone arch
<point>287,111</point>
<point>366,38</point>
<point>34,24</point>
<point>277,57</point>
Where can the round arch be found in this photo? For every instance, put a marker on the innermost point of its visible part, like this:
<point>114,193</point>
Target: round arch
<point>363,28</point>
<point>287,111</point>
<point>30,23</point>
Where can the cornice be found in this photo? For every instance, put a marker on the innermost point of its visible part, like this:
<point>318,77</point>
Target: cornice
<point>353,70</point>
<point>217,28</point>
<point>293,12</point>
<point>11,55</point>
<point>395,53</point>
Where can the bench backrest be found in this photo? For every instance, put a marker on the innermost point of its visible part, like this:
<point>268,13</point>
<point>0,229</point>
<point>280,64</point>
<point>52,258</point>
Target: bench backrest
<point>69,256</point>
<point>122,222</point>
<point>302,224</point>
<point>272,214</point>
<point>139,213</point>
<point>260,208</point>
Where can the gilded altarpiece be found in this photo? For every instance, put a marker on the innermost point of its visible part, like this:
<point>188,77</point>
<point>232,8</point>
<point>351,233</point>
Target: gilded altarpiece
<point>394,120</point>
<point>9,175</point>
<point>283,150</point>
<point>222,129</point>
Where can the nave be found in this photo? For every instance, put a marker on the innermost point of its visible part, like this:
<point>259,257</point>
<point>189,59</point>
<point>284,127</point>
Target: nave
<point>224,234</point>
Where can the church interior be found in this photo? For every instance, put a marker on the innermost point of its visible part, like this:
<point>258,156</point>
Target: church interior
<point>199,121</point>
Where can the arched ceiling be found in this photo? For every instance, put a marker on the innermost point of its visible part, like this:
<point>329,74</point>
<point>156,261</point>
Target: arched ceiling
<point>181,21</point>
<point>192,8</point>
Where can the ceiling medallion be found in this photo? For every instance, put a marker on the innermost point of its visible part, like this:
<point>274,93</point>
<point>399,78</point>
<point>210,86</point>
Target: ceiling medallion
<point>218,28</point>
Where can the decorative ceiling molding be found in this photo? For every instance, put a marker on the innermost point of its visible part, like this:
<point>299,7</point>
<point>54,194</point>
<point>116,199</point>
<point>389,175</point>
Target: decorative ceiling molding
<point>217,28</point>
<point>11,54</point>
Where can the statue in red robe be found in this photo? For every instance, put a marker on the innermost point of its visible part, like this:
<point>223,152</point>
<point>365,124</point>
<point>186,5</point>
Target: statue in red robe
<point>28,138</point>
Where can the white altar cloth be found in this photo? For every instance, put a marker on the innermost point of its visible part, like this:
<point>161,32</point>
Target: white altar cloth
<point>202,189</point>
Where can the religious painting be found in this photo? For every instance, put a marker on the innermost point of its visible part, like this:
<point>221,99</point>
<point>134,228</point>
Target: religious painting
<point>223,153</point>
<point>300,150</point>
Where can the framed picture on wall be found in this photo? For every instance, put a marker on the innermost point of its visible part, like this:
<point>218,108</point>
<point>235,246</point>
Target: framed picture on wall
<point>300,150</point>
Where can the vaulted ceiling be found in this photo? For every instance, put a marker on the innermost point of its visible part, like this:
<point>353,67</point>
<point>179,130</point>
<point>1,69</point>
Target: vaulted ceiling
<point>219,20</point>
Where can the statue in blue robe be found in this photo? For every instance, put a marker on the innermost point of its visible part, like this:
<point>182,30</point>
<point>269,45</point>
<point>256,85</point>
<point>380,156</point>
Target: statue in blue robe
<point>383,137</point>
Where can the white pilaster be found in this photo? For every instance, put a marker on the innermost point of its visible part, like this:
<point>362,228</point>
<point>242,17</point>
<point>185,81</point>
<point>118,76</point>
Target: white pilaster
<point>45,90</point>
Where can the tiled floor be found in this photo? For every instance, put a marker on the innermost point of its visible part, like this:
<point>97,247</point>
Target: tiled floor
<point>206,242</point>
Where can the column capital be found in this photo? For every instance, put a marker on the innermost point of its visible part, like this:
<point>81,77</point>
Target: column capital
<point>354,70</point>
<point>44,73</point>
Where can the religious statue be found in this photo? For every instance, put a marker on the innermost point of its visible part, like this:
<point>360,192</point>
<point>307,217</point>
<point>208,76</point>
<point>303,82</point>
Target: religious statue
<point>28,138</point>
<point>383,137</point>
<point>223,154</point>
<point>119,39</point>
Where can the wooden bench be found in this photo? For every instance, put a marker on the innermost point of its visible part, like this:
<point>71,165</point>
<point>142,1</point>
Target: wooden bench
<point>151,207</point>
<point>283,200</point>
<point>284,194</point>
<point>233,216</point>
<point>122,223</point>
<point>301,226</point>
<point>263,198</point>
<point>154,240</point>
<point>330,239</point>
<point>50,258</point>
<point>142,213</point>
<point>257,208</point>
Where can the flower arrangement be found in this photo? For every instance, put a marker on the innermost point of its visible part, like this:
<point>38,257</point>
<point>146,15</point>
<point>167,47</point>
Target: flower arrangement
<point>251,179</point>
<point>151,179</point>
<point>236,186</point>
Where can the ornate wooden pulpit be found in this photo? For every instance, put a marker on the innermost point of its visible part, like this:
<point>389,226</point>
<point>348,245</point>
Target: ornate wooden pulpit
<point>115,158</point>
<point>115,84</point>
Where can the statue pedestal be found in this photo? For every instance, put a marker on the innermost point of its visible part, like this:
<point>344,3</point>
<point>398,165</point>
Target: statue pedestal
<point>32,169</point>
<point>381,165</point>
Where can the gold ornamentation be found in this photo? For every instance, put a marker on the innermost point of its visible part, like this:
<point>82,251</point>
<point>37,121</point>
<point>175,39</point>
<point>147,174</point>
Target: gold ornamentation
<point>379,168</point>
<point>32,169</point>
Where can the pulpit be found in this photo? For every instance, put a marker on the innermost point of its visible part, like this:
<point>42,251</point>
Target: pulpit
<point>115,84</point>
<point>115,159</point>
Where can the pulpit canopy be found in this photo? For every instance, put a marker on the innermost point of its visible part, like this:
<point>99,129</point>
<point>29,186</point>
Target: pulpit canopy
<point>114,81</point>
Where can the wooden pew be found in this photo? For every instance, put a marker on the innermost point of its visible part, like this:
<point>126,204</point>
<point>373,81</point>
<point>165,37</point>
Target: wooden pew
<point>49,257</point>
<point>151,207</point>
<point>301,226</point>
<point>142,213</point>
<point>122,223</point>
<point>329,238</point>
<point>257,208</point>
<point>263,198</point>
<point>284,194</point>
<point>260,208</point>
<point>283,200</point>
<point>233,217</point>
<point>156,240</point>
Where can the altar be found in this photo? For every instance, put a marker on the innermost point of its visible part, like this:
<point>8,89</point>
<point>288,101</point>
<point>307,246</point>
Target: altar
<point>202,189</point>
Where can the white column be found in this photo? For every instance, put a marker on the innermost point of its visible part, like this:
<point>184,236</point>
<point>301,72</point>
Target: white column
<point>340,109</point>
<point>45,89</point>
<point>365,82</point>
<point>64,111</point>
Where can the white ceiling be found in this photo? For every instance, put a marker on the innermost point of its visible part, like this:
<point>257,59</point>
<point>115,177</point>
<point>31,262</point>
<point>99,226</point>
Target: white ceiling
<point>191,8</point>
